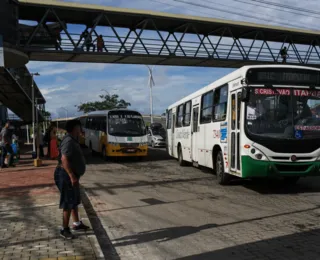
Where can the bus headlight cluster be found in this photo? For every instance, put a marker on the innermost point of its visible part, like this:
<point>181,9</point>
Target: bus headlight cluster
<point>257,154</point>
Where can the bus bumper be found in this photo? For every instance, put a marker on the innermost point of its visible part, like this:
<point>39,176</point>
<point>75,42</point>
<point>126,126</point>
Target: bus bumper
<point>255,168</point>
<point>127,152</point>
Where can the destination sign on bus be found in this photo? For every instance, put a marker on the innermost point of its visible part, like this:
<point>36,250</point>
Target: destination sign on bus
<point>287,92</point>
<point>128,116</point>
<point>283,76</point>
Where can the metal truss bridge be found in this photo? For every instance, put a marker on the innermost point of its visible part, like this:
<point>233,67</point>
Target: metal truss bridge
<point>144,37</point>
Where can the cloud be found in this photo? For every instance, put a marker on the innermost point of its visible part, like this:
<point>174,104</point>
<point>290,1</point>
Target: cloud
<point>45,91</point>
<point>130,83</point>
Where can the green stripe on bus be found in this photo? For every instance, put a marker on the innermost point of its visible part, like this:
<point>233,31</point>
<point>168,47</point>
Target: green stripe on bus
<point>256,168</point>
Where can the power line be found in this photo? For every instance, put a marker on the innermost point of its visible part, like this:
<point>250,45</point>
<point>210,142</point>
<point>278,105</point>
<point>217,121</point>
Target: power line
<point>273,8</point>
<point>271,16</point>
<point>235,13</point>
<point>189,9</point>
<point>300,9</point>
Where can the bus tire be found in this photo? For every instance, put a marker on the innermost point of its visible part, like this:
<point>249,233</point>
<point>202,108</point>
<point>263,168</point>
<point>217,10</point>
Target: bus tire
<point>291,180</point>
<point>222,177</point>
<point>180,157</point>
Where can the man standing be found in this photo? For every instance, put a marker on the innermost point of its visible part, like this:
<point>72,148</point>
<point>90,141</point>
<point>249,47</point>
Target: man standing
<point>67,175</point>
<point>6,146</point>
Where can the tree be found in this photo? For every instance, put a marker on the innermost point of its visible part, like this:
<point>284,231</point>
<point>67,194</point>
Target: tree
<point>108,102</point>
<point>46,113</point>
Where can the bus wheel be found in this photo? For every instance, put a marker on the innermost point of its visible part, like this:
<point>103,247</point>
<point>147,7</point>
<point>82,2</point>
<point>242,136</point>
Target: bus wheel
<point>180,157</point>
<point>291,180</point>
<point>222,177</point>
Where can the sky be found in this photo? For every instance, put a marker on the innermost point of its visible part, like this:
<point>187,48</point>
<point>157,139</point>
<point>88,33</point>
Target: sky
<point>66,85</point>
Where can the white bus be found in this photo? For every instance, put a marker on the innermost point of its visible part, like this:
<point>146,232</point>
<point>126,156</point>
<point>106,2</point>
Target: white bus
<point>259,121</point>
<point>116,133</point>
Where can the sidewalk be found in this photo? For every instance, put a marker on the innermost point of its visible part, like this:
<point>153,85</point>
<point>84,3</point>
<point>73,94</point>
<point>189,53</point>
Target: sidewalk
<point>31,218</point>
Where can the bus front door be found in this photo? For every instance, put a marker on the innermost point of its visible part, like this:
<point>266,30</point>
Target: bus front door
<point>234,148</point>
<point>195,134</point>
<point>173,134</point>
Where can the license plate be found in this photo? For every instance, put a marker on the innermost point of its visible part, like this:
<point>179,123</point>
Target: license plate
<point>131,150</point>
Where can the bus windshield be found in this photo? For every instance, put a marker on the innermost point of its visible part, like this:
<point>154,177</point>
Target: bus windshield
<point>126,123</point>
<point>283,113</point>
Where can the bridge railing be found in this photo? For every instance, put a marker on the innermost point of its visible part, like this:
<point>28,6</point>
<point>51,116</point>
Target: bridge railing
<point>224,42</point>
<point>226,49</point>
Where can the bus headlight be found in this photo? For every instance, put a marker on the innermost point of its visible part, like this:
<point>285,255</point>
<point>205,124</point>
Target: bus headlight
<point>256,154</point>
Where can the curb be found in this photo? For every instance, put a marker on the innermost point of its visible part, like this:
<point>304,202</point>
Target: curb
<point>92,238</point>
<point>100,241</point>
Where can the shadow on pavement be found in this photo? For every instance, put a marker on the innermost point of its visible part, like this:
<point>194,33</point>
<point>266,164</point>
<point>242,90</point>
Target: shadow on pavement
<point>167,234</point>
<point>296,246</point>
<point>109,188</point>
<point>160,235</point>
<point>106,246</point>
<point>265,186</point>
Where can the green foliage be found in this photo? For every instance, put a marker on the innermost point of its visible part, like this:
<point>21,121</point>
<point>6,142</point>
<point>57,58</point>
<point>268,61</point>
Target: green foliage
<point>107,102</point>
<point>46,113</point>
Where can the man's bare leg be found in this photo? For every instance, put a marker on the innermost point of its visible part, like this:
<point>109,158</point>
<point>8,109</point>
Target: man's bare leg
<point>65,232</point>
<point>75,215</point>
<point>66,218</point>
<point>77,224</point>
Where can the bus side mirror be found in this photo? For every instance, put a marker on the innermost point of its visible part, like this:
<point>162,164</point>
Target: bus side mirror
<point>245,94</point>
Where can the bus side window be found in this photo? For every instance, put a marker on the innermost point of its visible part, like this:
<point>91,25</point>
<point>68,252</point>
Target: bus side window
<point>180,116</point>
<point>88,123</point>
<point>187,114</point>
<point>220,103</point>
<point>169,119</point>
<point>104,124</point>
<point>233,112</point>
<point>206,108</point>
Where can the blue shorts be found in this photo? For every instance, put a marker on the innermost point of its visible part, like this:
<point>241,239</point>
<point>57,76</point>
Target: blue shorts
<point>69,195</point>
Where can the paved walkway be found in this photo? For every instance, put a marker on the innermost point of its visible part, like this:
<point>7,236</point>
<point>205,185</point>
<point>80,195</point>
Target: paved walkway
<point>31,219</point>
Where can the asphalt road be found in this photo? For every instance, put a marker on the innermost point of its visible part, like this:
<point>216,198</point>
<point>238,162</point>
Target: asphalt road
<point>156,209</point>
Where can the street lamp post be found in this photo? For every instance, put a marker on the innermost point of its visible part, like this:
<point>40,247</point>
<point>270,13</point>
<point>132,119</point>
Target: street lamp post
<point>33,111</point>
<point>66,113</point>
<point>38,134</point>
<point>151,84</point>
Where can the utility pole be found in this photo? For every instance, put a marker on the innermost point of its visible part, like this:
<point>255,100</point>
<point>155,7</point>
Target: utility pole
<point>33,112</point>
<point>151,84</point>
<point>28,137</point>
<point>66,110</point>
